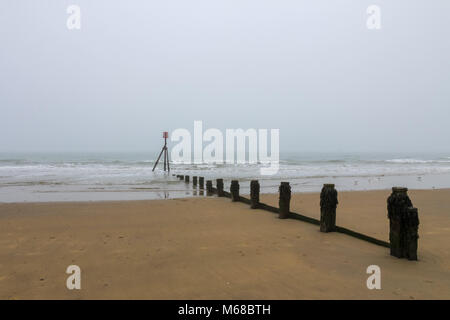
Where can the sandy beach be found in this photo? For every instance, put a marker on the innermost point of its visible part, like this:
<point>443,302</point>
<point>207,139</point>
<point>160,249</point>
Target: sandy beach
<point>211,248</point>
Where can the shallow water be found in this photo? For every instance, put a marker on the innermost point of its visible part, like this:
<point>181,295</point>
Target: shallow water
<point>129,176</point>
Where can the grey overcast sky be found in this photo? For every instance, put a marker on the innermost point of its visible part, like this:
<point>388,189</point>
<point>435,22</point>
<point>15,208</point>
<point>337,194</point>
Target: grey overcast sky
<point>310,68</point>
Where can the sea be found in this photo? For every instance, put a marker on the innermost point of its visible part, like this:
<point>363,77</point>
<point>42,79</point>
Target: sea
<point>70,176</point>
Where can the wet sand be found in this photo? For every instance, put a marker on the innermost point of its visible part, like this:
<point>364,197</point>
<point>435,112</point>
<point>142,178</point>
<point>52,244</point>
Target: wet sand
<point>210,248</point>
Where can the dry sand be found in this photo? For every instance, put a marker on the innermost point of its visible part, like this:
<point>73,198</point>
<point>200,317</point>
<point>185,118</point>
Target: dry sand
<point>210,248</point>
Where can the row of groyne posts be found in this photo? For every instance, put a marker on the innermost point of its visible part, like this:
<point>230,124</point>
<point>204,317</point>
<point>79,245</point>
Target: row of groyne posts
<point>403,217</point>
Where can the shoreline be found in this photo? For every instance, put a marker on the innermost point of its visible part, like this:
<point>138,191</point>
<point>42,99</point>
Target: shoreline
<point>246,194</point>
<point>150,186</point>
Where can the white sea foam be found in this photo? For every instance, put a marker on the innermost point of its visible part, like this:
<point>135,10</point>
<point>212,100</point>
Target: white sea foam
<point>417,161</point>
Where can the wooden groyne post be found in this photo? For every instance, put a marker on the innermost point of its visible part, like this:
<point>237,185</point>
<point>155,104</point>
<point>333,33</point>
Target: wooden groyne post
<point>186,179</point>
<point>254,194</point>
<point>403,224</point>
<point>194,181</point>
<point>219,184</point>
<point>284,200</point>
<point>412,233</point>
<point>209,188</point>
<point>234,190</point>
<point>328,205</point>
<point>201,182</point>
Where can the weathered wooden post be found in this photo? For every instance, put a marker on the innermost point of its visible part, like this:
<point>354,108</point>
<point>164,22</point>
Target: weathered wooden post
<point>194,181</point>
<point>412,234</point>
<point>219,183</point>
<point>399,205</point>
<point>234,190</point>
<point>284,201</point>
<point>186,179</point>
<point>209,188</point>
<point>201,182</point>
<point>254,194</point>
<point>181,177</point>
<point>328,204</point>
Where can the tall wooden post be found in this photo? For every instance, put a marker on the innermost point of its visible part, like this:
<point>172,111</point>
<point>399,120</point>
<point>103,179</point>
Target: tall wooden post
<point>234,190</point>
<point>194,181</point>
<point>328,205</point>
<point>186,179</point>
<point>412,233</point>
<point>209,188</point>
<point>254,194</point>
<point>284,200</point>
<point>403,224</point>
<point>219,183</point>
<point>201,182</point>
<point>397,204</point>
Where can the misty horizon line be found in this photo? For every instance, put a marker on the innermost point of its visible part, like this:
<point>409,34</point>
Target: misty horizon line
<point>157,150</point>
